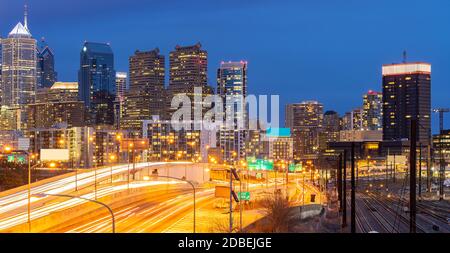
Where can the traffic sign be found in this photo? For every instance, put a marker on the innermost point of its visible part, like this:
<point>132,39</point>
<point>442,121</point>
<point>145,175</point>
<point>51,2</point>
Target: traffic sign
<point>244,195</point>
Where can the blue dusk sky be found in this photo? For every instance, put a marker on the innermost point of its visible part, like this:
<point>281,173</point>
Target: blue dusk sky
<point>324,50</point>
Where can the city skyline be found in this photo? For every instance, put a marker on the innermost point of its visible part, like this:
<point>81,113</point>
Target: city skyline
<point>299,50</point>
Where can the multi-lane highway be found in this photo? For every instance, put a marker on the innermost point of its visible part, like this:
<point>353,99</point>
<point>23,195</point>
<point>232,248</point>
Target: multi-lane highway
<point>171,210</point>
<point>13,206</point>
<point>166,207</point>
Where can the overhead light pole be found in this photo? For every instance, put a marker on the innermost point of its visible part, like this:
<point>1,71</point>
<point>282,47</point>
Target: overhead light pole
<point>113,222</point>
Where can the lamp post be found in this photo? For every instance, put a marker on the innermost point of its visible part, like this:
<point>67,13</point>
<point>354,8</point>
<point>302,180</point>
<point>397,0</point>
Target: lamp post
<point>32,156</point>
<point>113,222</point>
<point>112,158</point>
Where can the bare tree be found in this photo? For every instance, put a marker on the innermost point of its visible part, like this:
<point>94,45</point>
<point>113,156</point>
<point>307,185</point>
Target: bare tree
<point>222,225</point>
<point>277,213</point>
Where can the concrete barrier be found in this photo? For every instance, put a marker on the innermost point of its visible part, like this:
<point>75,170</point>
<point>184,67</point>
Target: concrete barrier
<point>307,211</point>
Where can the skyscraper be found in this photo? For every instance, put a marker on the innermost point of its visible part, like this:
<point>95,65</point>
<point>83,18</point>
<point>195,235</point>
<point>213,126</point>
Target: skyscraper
<point>373,111</point>
<point>121,88</point>
<point>188,70</point>
<point>18,87</point>
<point>97,80</point>
<point>305,121</point>
<point>406,96</point>
<point>46,74</point>
<point>121,84</point>
<point>232,88</point>
<point>145,96</point>
<point>1,61</point>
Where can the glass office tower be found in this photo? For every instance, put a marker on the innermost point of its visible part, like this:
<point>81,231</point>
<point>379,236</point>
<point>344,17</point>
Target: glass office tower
<point>97,80</point>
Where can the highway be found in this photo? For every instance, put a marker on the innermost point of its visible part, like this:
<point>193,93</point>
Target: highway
<point>13,207</point>
<point>171,210</point>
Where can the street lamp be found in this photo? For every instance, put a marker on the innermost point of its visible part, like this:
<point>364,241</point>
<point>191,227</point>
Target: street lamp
<point>112,158</point>
<point>29,189</point>
<point>30,156</point>
<point>147,178</point>
<point>113,222</point>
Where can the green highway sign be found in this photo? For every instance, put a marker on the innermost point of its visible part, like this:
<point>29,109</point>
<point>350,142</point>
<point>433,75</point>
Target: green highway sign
<point>295,167</point>
<point>259,164</point>
<point>244,195</point>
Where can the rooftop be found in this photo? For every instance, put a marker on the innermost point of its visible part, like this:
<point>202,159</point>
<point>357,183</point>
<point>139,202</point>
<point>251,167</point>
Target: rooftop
<point>65,85</point>
<point>19,31</point>
<point>406,68</point>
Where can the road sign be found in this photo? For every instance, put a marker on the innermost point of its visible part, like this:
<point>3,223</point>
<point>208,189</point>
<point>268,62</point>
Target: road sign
<point>295,167</point>
<point>222,191</point>
<point>244,195</point>
<point>259,164</point>
<point>23,144</point>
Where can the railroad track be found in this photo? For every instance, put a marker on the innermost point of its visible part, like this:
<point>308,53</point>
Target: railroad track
<point>395,214</point>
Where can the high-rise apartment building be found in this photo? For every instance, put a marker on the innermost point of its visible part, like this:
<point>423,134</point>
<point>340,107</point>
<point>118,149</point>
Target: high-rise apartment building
<point>353,120</point>
<point>188,70</point>
<point>57,106</point>
<point>305,121</point>
<point>121,88</point>
<point>232,88</point>
<point>406,96</point>
<point>97,82</point>
<point>145,96</point>
<point>373,111</point>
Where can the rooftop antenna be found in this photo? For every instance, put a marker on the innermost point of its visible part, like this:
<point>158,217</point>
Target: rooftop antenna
<point>25,16</point>
<point>404,56</point>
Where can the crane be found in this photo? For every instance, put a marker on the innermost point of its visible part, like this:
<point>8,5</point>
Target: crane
<point>441,112</point>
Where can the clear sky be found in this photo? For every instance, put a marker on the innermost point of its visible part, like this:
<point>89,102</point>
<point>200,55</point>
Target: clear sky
<point>326,50</point>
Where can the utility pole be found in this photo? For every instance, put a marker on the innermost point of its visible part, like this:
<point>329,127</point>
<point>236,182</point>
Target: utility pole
<point>339,181</point>
<point>344,195</point>
<point>395,168</point>
<point>429,168</point>
<point>234,174</point>
<point>352,200</point>
<point>387,171</point>
<point>412,176</point>
<point>420,170</point>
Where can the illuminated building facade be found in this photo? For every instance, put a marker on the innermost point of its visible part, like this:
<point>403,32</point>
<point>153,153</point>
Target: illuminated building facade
<point>442,142</point>
<point>168,144</point>
<point>232,88</point>
<point>18,86</point>
<point>58,105</point>
<point>145,96</point>
<point>330,131</point>
<point>121,88</point>
<point>373,111</point>
<point>279,144</point>
<point>97,80</point>
<point>46,74</point>
<point>305,121</point>
<point>406,96</point>
<point>188,70</point>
